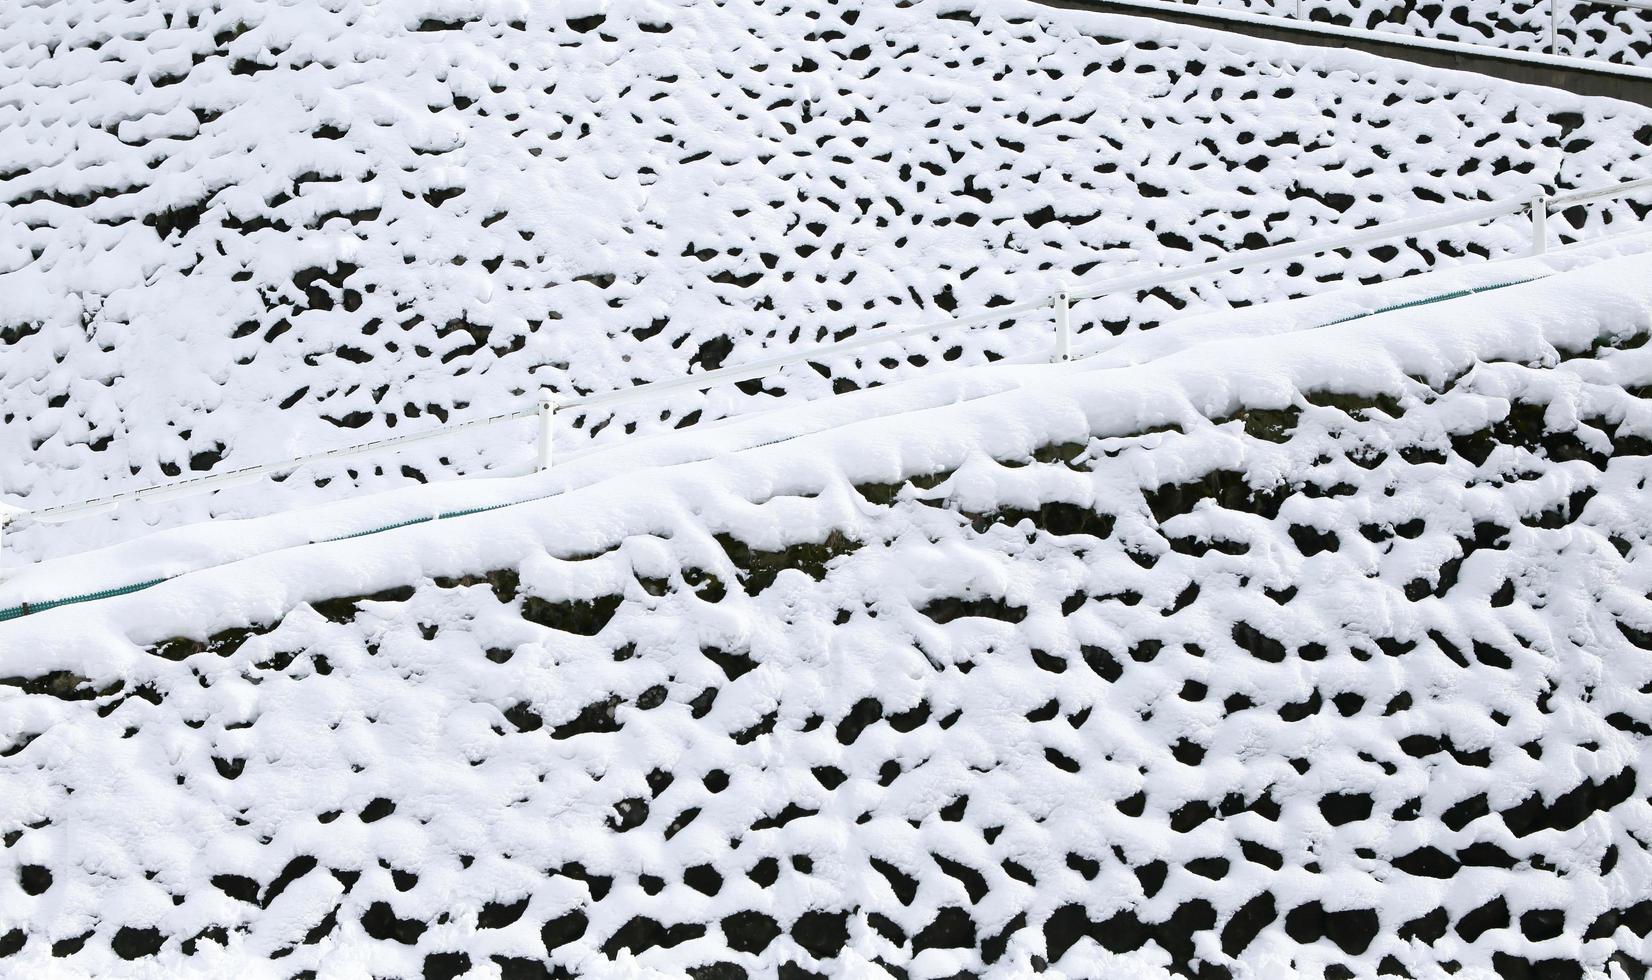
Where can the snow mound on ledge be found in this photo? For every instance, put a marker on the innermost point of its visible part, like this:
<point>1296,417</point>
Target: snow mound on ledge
<point>232,232</point>
<point>1321,653</point>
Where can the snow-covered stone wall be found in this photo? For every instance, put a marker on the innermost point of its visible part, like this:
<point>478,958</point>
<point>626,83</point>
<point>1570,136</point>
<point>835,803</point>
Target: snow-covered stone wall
<point>1245,649</point>
<point>236,230</point>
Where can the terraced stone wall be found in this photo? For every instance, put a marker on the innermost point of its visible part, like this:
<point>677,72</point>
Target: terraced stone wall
<point>234,231</point>
<point>1335,685</point>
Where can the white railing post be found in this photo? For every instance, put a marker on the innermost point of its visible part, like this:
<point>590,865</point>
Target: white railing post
<point>1552,5</point>
<point>1540,225</point>
<point>547,421</point>
<point>1063,324</point>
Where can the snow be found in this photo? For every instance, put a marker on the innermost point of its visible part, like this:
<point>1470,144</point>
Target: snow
<point>176,302</point>
<point>1274,636</point>
<point>1030,679</point>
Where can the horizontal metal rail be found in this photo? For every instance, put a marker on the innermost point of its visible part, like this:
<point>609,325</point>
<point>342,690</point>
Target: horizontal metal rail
<point>218,481</point>
<point>1292,250</point>
<point>1616,190</point>
<point>757,369</point>
<point>550,403</point>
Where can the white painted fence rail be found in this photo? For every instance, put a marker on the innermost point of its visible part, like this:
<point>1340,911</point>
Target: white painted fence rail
<point>550,403</point>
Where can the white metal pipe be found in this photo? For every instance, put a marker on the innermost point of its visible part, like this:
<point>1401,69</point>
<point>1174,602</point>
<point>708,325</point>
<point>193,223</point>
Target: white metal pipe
<point>1292,250</point>
<point>59,516</point>
<point>1552,31</point>
<point>757,369</point>
<point>1540,225</point>
<point>1063,324</point>
<point>226,481</point>
<point>1623,189</point>
<point>202,484</point>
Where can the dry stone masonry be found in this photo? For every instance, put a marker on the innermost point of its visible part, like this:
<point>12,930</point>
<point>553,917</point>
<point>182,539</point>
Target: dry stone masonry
<point>1341,682</point>
<point>1251,647</point>
<point>234,231</point>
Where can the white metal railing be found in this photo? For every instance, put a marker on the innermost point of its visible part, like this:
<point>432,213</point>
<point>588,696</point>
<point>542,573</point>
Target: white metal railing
<point>1060,299</point>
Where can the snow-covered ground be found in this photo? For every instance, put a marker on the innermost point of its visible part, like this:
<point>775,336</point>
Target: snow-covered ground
<point>1249,646</point>
<point>237,232</point>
